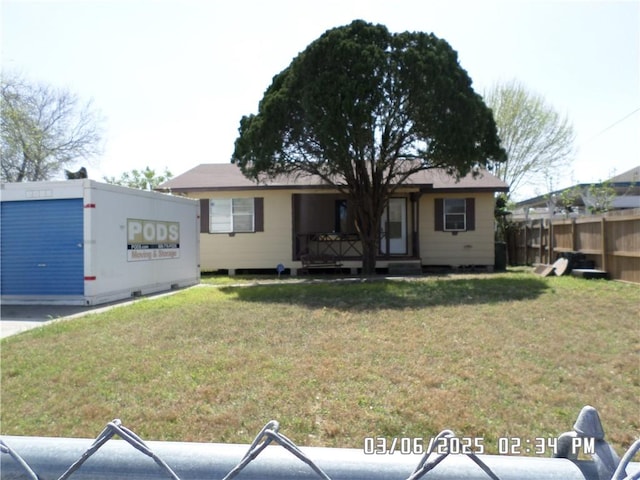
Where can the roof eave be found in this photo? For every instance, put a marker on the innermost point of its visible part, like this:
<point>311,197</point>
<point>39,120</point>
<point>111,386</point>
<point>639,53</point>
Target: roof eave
<point>424,188</point>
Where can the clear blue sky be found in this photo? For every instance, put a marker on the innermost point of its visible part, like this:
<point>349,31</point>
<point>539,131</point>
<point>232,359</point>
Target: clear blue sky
<point>173,78</point>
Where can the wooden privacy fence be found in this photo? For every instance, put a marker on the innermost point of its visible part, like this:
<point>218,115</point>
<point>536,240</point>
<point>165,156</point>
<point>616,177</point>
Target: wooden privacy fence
<point>611,242</point>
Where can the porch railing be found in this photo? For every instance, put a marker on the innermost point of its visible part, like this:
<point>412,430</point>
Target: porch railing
<point>341,245</point>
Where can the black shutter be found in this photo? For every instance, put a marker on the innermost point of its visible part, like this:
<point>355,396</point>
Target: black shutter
<point>204,215</point>
<point>471,213</point>
<point>439,215</point>
<point>258,214</point>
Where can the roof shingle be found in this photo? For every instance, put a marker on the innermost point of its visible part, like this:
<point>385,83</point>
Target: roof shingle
<point>227,176</point>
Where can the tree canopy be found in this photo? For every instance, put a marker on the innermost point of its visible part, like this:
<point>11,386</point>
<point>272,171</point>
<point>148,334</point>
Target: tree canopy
<point>363,109</point>
<point>146,179</point>
<point>537,139</point>
<point>42,130</point>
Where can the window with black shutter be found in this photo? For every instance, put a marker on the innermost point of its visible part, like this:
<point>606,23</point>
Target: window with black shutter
<point>232,215</point>
<point>454,214</point>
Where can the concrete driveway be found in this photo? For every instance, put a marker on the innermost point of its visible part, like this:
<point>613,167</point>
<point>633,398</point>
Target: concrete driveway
<point>18,318</point>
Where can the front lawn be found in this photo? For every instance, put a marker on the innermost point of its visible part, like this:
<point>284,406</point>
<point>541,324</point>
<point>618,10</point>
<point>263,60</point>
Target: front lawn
<point>500,355</point>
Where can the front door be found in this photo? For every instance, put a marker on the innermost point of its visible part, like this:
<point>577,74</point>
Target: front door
<point>394,227</point>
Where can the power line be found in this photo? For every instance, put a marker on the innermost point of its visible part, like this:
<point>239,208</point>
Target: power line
<point>614,124</point>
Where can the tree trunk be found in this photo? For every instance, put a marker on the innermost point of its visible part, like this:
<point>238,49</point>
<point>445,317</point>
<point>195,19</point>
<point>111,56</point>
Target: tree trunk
<point>369,252</point>
<point>368,225</point>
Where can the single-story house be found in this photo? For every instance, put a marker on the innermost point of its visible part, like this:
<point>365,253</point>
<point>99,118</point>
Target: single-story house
<point>431,221</point>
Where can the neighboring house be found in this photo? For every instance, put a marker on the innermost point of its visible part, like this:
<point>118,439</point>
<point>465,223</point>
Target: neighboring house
<point>621,192</point>
<point>432,220</point>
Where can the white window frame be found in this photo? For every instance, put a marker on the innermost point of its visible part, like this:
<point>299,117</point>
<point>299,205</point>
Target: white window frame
<point>232,215</point>
<point>451,210</point>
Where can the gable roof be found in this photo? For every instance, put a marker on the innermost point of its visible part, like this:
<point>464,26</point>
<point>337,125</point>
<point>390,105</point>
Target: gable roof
<point>631,176</point>
<point>227,176</point>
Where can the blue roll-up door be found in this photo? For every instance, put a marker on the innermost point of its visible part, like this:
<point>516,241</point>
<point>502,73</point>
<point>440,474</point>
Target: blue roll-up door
<point>42,247</point>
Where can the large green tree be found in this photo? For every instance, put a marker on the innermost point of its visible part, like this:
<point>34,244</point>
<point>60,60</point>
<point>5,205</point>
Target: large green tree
<point>43,129</point>
<point>364,109</point>
<point>537,139</point>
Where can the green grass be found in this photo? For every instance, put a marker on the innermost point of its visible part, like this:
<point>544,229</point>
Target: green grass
<point>489,356</point>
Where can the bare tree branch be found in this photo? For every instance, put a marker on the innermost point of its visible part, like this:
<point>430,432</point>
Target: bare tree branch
<point>538,140</point>
<point>43,130</point>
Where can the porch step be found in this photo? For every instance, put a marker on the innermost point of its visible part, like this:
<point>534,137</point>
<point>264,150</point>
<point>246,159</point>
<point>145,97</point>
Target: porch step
<point>404,268</point>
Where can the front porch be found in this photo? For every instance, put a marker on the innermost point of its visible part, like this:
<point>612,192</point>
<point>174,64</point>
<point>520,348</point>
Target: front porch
<point>324,225</point>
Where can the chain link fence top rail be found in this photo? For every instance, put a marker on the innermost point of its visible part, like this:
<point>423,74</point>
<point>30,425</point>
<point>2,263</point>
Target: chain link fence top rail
<point>38,458</point>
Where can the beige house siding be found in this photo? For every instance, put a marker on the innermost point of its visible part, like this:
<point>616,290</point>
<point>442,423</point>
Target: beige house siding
<point>267,249</point>
<point>462,248</point>
<point>309,215</point>
<point>258,250</point>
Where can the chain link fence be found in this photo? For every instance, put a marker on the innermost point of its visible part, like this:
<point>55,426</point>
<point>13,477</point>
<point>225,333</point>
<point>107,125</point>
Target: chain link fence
<point>445,457</point>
